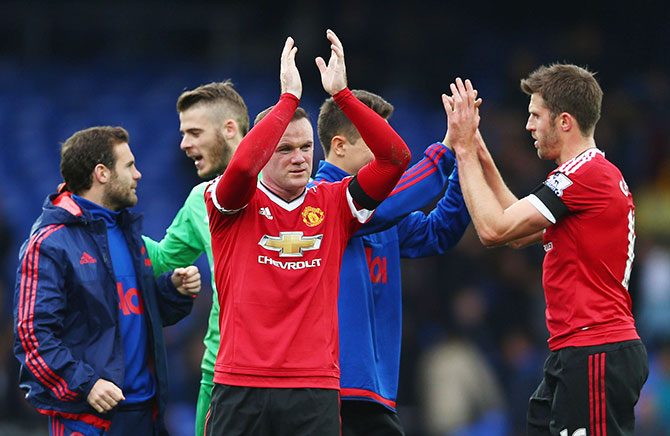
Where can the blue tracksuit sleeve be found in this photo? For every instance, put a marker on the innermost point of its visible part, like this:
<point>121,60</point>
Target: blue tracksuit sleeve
<point>420,235</point>
<point>40,305</point>
<point>417,188</point>
<point>173,306</point>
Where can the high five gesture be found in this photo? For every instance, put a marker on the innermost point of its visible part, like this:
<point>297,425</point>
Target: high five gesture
<point>333,75</point>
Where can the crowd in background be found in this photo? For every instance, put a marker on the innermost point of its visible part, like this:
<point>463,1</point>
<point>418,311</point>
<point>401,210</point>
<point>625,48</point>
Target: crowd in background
<point>474,338</point>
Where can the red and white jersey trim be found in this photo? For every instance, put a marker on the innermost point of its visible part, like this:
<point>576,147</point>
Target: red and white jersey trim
<point>574,164</point>
<point>215,200</point>
<point>362,215</point>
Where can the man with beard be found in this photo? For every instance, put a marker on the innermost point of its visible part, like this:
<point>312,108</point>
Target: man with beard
<point>88,311</point>
<point>584,215</point>
<point>213,119</point>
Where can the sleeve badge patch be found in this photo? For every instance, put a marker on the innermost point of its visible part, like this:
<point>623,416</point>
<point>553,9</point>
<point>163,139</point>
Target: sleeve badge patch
<point>558,182</point>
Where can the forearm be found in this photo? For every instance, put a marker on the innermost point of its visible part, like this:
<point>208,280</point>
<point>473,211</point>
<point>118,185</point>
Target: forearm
<point>172,304</point>
<point>170,253</point>
<point>417,188</point>
<point>238,183</point>
<point>379,177</point>
<point>526,241</point>
<point>492,175</point>
<point>486,210</point>
<point>438,232</point>
<point>495,181</point>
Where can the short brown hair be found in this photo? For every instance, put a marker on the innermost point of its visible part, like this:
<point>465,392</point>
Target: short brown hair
<point>567,88</point>
<point>332,121</point>
<point>81,152</point>
<point>220,94</point>
<point>299,114</point>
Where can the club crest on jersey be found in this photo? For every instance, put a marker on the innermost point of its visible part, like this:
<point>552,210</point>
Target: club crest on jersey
<point>312,216</point>
<point>558,182</point>
<point>291,244</point>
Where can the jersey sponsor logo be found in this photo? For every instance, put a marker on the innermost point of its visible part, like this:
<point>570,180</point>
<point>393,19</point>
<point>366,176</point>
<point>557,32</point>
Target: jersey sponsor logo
<point>302,264</point>
<point>291,244</point>
<point>87,258</point>
<point>548,246</point>
<point>312,216</point>
<point>126,303</point>
<point>377,266</point>
<point>265,211</point>
<point>557,182</point>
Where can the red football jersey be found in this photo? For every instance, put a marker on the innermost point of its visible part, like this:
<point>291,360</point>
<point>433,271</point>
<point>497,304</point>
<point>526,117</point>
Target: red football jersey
<point>276,267</point>
<point>589,252</point>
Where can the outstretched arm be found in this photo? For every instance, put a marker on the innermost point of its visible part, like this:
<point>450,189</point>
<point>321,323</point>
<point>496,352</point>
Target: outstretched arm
<point>420,235</point>
<point>185,239</point>
<point>238,183</point>
<point>495,223</point>
<point>502,193</point>
<point>418,187</point>
<point>375,181</point>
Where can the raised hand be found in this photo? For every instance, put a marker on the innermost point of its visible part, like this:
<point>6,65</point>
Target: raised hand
<point>449,101</point>
<point>187,280</point>
<point>104,396</point>
<point>333,75</point>
<point>462,109</point>
<point>289,76</point>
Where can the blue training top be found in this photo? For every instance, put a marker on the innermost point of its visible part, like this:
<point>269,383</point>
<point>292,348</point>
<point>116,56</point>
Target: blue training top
<point>138,385</point>
<point>370,303</point>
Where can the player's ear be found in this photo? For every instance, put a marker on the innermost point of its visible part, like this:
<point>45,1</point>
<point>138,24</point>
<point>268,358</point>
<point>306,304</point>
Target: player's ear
<point>338,146</point>
<point>229,129</point>
<point>566,122</point>
<point>101,173</point>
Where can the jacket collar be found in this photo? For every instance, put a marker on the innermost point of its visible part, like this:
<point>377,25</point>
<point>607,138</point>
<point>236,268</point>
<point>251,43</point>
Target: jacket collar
<point>60,208</point>
<point>329,172</point>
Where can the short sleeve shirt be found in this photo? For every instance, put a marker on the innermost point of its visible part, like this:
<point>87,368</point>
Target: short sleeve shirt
<point>589,252</point>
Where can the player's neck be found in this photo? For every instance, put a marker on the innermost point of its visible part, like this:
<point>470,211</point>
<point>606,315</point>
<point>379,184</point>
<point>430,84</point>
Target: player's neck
<point>288,195</point>
<point>575,148</point>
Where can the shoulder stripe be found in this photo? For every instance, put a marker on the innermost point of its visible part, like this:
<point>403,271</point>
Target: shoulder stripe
<point>26,315</point>
<point>434,153</point>
<point>577,162</point>
<point>425,168</point>
<point>400,188</point>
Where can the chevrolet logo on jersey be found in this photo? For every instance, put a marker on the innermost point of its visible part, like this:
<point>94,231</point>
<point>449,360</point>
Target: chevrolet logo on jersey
<point>291,244</point>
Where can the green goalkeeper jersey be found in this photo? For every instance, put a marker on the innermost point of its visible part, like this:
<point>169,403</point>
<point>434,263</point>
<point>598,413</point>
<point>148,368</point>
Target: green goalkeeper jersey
<point>184,241</point>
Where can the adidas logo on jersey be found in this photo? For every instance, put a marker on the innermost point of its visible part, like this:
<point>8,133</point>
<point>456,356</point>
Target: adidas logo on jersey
<point>265,211</point>
<point>87,258</point>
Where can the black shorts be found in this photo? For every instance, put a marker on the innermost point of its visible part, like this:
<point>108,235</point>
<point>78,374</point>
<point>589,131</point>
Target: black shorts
<point>246,411</point>
<point>368,418</point>
<point>589,391</point>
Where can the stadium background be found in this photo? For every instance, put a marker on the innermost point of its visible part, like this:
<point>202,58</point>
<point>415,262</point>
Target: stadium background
<point>474,334</point>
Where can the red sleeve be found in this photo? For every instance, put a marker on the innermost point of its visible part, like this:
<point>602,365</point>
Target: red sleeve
<point>238,183</point>
<point>378,178</point>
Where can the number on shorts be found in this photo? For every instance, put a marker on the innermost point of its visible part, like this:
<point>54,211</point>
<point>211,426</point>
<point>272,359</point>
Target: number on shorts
<point>578,432</point>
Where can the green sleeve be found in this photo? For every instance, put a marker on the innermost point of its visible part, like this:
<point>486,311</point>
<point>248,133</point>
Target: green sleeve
<point>186,238</point>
